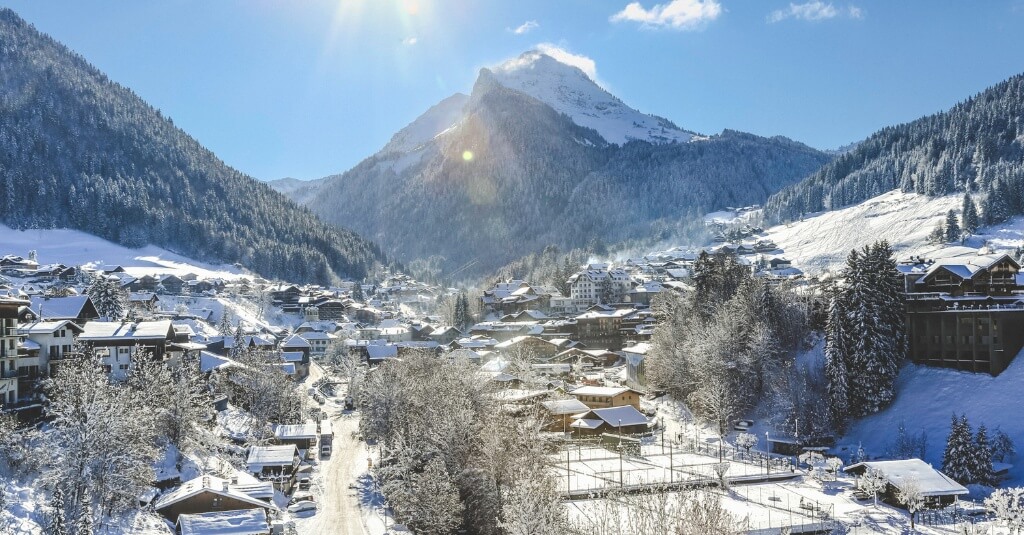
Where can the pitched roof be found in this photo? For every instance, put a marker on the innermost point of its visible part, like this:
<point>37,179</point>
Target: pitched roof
<point>56,308</point>
<point>626,415</point>
<point>202,484</point>
<point>295,431</point>
<point>116,330</point>
<point>240,522</point>
<point>271,455</point>
<point>600,391</point>
<point>565,406</point>
<point>47,327</point>
<point>931,481</point>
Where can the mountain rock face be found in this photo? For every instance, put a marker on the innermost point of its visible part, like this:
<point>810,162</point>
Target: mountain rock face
<point>82,152</point>
<point>978,145</point>
<point>539,155</point>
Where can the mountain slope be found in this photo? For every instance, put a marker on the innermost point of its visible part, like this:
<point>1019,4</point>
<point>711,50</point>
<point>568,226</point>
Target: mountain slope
<point>81,152</point>
<point>978,144</point>
<point>513,175</point>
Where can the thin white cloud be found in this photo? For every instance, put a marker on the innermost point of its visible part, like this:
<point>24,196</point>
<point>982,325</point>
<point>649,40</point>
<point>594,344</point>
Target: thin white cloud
<point>676,14</point>
<point>409,41</point>
<point>813,11</point>
<point>581,62</point>
<point>524,27</point>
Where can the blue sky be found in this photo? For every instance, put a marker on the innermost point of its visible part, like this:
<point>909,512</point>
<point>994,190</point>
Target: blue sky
<point>306,88</point>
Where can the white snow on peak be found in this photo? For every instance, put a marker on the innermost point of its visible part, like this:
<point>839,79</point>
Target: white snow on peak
<point>569,90</point>
<point>435,121</point>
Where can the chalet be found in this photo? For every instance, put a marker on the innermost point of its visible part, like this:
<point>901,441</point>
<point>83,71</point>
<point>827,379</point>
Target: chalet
<point>206,494</point>
<point>964,314</point>
<point>626,420</point>
<point>142,303</point>
<point>171,284</point>
<point>601,326</point>
<point>238,522</point>
<point>54,340</point>
<point>9,344</point>
<point>49,271</point>
<point>273,462</point>
<point>15,262</point>
<point>318,342</point>
<point>937,488</point>
<point>77,308</point>
<point>331,310</point>
<point>445,335</point>
<point>558,413</point>
<point>599,397</point>
<point>586,358</point>
<point>145,283</point>
<point>285,294</point>
<point>118,343</point>
<point>535,348</point>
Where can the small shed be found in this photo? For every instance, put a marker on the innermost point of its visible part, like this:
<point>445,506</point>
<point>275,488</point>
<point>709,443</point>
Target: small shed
<point>624,420</point>
<point>302,435</point>
<point>273,461</point>
<point>937,488</point>
<point>560,413</point>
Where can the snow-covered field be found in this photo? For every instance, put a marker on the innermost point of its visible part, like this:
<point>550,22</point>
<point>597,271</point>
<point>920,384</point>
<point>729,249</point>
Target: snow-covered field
<point>821,241</point>
<point>72,247</point>
<point>928,397</point>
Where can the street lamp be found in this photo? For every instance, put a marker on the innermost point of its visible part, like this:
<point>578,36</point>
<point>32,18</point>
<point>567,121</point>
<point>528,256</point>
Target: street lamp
<point>767,455</point>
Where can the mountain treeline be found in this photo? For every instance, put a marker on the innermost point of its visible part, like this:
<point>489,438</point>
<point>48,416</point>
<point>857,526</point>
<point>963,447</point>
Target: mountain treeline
<point>978,146</point>
<point>534,178</point>
<point>80,151</point>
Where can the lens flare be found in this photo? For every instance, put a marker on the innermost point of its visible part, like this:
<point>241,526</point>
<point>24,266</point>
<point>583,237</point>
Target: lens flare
<point>467,155</point>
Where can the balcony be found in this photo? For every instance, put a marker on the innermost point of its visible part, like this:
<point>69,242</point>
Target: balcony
<point>9,374</point>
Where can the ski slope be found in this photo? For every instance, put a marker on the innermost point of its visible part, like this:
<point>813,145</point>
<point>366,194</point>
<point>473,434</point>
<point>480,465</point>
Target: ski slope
<point>75,248</point>
<point>820,242</point>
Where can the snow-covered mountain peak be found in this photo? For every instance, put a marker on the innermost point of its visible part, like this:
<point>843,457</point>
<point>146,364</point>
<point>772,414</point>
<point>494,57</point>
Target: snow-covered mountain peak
<point>569,90</point>
<point>433,122</point>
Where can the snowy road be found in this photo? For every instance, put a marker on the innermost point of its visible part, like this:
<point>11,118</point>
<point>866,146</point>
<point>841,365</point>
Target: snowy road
<point>338,507</point>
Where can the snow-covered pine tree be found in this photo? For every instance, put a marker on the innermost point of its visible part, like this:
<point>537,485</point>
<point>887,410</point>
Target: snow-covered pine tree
<point>957,458</point>
<point>357,291</point>
<point>952,227</point>
<point>224,327</point>
<point>836,356</point>
<point>981,461</point>
<point>938,234</point>
<point>1002,446</point>
<point>109,298</point>
<point>57,525</point>
<point>83,525</point>
<point>969,214</point>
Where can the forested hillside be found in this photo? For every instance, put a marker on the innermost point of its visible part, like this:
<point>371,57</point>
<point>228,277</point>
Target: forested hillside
<point>977,145</point>
<point>80,151</point>
<point>514,176</point>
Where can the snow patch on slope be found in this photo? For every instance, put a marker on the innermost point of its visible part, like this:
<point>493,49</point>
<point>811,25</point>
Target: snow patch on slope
<point>440,118</point>
<point>569,90</point>
<point>75,248</point>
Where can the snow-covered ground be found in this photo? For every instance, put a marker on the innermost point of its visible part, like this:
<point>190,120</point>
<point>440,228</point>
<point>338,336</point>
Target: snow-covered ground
<point>928,397</point>
<point>72,247</point>
<point>821,241</point>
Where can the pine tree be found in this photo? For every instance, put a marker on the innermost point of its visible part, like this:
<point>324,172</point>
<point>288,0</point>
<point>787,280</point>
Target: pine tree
<point>357,292</point>
<point>836,355</point>
<point>981,465</point>
<point>224,327</point>
<point>959,453</point>
<point>952,227</point>
<point>109,298</point>
<point>83,526</point>
<point>57,524</point>
<point>969,214</point>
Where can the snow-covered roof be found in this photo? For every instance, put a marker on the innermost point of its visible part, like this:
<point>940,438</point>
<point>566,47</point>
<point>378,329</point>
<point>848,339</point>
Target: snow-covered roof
<point>583,423</point>
<point>565,406</point>
<point>376,352</point>
<point>609,391</point>
<point>47,327</point>
<point>58,307</point>
<point>202,484</point>
<point>240,522</point>
<point>260,456</point>
<point>116,330</point>
<point>209,361</point>
<point>931,481</point>
<point>292,356</point>
<point>640,349</point>
<point>295,431</point>
<point>614,416</point>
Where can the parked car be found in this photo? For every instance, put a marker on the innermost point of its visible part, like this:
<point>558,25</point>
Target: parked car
<point>325,450</point>
<point>302,506</point>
